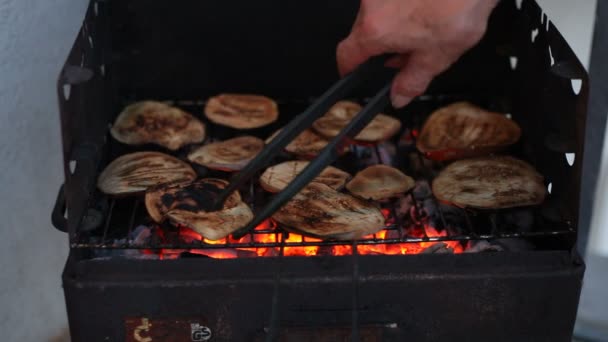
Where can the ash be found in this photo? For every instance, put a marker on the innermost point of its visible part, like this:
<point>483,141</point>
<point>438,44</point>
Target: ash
<point>140,236</point>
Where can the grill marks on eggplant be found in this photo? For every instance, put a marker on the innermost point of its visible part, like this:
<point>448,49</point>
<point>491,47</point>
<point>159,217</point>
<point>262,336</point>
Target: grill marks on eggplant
<point>151,122</point>
<point>189,205</point>
<point>490,182</point>
<point>463,125</point>
<point>321,211</point>
<point>136,172</point>
<point>306,145</point>
<point>382,127</point>
<point>378,182</point>
<point>277,177</point>
<point>196,196</point>
<point>229,155</point>
<point>241,111</point>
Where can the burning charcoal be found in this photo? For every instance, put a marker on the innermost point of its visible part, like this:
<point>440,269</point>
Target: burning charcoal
<point>325,250</point>
<point>112,255</point>
<point>246,254</point>
<point>189,255</point>
<point>406,140</point>
<point>392,234</point>
<point>271,252</point>
<point>446,250</point>
<point>438,248</point>
<point>422,190</point>
<point>217,253</point>
<point>386,152</point>
<point>455,218</point>
<point>404,206</point>
<point>482,246</point>
<point>421,166</point>
<point>140,235</point>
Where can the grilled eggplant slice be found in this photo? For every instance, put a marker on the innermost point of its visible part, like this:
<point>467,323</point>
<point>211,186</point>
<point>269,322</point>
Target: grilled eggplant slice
<point>151,122</point>
<point>490,182</point>
<point>136,172</point>
<point>307,145</point>
<point>465,127</point>
<point>321,211</point>
<point>379,182</point>
<point>381,128</point>
<point>241,111</point>
<point>277,177</point>
<point>189,205</point>
<point>229,155</point>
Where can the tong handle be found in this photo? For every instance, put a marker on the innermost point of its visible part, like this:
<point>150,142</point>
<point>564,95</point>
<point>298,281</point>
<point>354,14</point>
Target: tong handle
<point>327,156</point>
<point>301,122</point>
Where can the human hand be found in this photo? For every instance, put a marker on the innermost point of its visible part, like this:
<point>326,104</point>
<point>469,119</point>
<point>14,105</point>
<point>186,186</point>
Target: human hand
<point>427,36</point>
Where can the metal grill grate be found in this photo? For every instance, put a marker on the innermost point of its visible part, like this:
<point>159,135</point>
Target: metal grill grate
<point>121,216</point>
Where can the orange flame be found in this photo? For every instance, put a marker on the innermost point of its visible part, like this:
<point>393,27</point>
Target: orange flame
<point>378,248</point>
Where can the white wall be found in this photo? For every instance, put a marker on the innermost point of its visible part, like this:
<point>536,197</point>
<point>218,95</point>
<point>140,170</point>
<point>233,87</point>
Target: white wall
<point>598,239</point>
<point>575,20</point>
<point>35,36</point>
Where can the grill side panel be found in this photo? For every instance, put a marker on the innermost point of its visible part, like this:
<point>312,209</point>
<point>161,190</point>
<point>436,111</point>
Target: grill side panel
<point>133,50</point>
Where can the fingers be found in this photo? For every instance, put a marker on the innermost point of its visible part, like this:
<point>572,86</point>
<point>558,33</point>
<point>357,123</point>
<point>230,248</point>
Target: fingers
<point>362,42</point>
<point>350,54</point>
<point>397,62</point>
<point>413,79</point>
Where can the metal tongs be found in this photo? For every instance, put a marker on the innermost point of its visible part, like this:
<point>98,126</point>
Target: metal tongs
<point>296,126</point>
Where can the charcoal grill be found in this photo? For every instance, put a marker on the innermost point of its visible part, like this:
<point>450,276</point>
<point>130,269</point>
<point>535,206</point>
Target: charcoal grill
<point>134,50</point>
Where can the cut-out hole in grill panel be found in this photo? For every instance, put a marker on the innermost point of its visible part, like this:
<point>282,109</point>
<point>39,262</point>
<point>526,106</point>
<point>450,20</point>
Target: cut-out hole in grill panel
<point>576,85</point>
<point>67,89</point>
<point>72,166</point>
<point>570,157</point>
<point>513,62</point>
<point>533,35</point>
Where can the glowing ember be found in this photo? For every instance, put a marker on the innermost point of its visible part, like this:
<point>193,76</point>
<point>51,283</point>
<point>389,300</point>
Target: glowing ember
<point>291,240</point>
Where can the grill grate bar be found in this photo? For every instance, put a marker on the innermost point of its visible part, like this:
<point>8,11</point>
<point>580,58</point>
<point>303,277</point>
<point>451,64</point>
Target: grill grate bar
<point>469,224</point>
<point>492,218</point>
<point>108,219</point>
<point>306,243</point>
<point>132,218</point>
<point>398,230</point>
<point>355,294</point>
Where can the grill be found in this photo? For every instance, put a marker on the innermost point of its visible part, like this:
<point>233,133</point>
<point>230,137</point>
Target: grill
<point>121,216</point>
<point>282,286</point>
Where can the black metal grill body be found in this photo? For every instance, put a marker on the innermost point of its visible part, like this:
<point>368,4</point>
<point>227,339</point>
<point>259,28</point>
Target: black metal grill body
<point>489,297</point>
<point>186,52</point>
